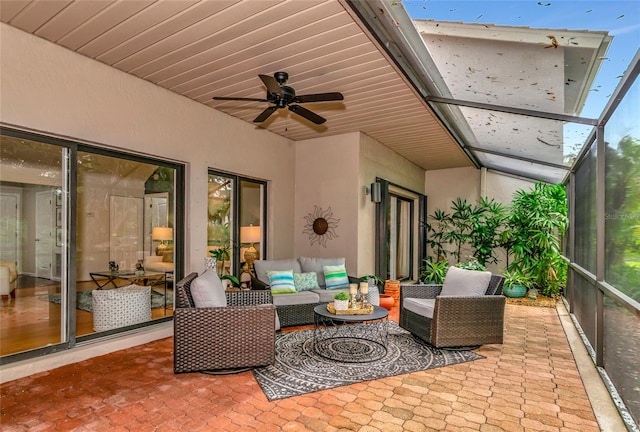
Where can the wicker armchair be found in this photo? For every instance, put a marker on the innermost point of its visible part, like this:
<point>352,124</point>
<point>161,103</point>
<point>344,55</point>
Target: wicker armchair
<point>457,320</point>
<point>241,335</point>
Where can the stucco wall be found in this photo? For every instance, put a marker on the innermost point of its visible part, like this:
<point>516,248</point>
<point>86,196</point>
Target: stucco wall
<point>443,186</point>
<point>52,90</point>
<point>502,187</point>
<point>376,160</point>
<point>327,177</point>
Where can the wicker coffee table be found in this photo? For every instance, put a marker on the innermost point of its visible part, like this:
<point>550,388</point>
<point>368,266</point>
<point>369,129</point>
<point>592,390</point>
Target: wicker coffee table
<point>350,338</point>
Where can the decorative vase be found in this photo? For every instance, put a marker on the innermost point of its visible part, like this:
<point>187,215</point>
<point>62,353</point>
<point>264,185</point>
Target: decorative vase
<point>211,263</point>
<point>386,301</point>
<point>341,304</point>
<point>514,291</point>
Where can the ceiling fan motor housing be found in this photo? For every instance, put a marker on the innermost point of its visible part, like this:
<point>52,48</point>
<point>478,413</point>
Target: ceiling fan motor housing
<point>288,94</point>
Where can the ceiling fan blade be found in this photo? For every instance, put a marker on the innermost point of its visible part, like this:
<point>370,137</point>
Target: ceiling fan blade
<point>265,114</point>
<point>272,85</point>
<point>309,115</point>
<point>319,97</point>
<point>238,99</point>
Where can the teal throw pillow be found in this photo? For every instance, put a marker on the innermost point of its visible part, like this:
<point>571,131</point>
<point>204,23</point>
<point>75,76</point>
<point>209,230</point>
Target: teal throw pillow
<point>306,281</point>
<point>336,276</point>
<point>281,281</point>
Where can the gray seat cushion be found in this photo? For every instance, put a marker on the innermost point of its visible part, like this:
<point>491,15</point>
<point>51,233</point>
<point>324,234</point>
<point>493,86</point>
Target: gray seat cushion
<point>461,282</point>
<point>303,297</point>
<point>422,307</point>
<point>326,296</point>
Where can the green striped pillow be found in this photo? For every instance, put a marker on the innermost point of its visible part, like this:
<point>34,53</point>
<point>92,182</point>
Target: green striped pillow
<point>281,281</point>
<point>336,276</point>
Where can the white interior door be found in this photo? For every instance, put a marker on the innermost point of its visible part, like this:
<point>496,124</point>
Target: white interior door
<point>125,231</point>
<point>9,227</point>
<point>44,234</point>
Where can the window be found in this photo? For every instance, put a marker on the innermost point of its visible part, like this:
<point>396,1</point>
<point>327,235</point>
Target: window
<point>236,222</point>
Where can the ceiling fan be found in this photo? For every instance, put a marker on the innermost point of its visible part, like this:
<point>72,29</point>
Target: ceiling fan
<point>284,96</point>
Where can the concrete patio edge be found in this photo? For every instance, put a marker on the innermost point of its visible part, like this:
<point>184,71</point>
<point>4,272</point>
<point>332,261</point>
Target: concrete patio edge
<point>604,408</point>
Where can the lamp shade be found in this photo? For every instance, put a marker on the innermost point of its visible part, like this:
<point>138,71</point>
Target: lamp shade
<point>250,234</point>
<point>162,233</point>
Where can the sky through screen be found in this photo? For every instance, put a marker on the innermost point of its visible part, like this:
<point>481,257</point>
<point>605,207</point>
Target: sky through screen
<point>620,18</point>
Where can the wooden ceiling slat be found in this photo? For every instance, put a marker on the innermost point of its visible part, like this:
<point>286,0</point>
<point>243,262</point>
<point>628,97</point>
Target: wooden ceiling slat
<point>138,23</point>
<point>37,13</point>
<point>176,47</point>
<point>101,22</point>
<point>163,30</point>
<point>65,21</point>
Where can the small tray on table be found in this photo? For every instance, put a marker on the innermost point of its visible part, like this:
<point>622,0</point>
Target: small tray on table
<point>360,310</point>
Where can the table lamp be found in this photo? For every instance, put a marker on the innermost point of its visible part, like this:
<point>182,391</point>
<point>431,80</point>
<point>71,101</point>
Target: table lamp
<point>250,234</point>
<point>161,234</point>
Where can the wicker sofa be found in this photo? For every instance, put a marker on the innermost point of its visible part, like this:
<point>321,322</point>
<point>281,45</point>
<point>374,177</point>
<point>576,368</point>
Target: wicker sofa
<point>297,309</point>
<point>240,335</point>
<point>457,320</point>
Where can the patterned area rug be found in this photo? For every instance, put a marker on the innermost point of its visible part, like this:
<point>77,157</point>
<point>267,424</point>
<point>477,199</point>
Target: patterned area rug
<point>298,369</point>
<point>84,300</point>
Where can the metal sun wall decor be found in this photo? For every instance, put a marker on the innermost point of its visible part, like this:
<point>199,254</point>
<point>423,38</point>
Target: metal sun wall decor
<point>320,226</point>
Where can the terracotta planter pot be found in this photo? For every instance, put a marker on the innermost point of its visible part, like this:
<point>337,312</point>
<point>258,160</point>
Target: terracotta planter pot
<point>392,288</point>
<point>386,301</point>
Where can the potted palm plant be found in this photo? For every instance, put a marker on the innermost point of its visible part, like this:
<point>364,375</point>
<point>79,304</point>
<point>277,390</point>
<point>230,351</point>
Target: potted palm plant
<point>434,272</point>
<point>516,284</point>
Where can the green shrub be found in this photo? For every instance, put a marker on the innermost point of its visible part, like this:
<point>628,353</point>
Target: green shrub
<point>472,264</point>
<point>434,272</point>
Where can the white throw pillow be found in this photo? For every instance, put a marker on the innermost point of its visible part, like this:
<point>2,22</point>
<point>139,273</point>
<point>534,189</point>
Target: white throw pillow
<point>461,282</point>
<point>207,290</point>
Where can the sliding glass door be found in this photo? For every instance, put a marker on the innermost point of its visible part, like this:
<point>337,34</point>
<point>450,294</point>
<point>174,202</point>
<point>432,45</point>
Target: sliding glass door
<point>76,223</point>
<point>32,244</point>
<point>400,234</point>
<point>127,208</point>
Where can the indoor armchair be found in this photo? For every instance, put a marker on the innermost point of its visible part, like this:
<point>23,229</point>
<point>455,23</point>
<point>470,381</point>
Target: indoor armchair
<point>8,278</point>
<point>238,335</point>
<point>467,310</point>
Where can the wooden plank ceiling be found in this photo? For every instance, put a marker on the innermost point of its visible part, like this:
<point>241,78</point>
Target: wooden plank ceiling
<point>201,49</point>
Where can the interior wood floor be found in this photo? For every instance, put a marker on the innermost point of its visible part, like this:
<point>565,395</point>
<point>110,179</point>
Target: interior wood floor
<point>31,321</point>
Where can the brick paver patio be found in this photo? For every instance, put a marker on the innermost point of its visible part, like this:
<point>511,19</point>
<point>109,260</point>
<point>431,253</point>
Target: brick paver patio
<point>528,384</point>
